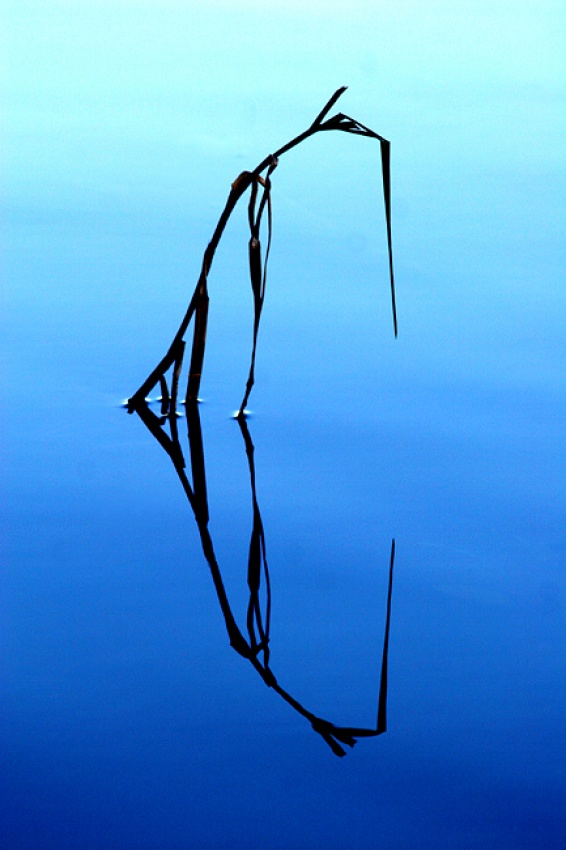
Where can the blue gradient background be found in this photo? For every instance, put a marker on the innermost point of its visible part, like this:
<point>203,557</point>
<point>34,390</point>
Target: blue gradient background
<point>128,722</point>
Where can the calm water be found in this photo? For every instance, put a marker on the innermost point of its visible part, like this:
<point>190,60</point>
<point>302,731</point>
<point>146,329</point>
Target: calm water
<point>129,721</point>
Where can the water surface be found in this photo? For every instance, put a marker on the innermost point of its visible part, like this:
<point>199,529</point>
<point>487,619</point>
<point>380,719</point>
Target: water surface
<point>129,721</point>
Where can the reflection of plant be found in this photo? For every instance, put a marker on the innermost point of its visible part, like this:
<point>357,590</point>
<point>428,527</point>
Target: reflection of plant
<point>259,184</point>
<point>254,645</point>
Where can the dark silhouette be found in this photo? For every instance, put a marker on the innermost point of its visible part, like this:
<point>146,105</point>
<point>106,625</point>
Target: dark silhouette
<point>254,645</point>
<point>259,184</point>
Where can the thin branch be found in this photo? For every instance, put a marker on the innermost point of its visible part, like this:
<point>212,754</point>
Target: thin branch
<point>329,105</point>
<point>198,305</point>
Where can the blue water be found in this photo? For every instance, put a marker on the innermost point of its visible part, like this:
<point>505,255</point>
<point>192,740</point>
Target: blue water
<point>128,720</point>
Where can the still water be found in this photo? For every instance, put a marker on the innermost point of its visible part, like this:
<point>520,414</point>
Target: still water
<point>129,719</point>
<point>207,642</point>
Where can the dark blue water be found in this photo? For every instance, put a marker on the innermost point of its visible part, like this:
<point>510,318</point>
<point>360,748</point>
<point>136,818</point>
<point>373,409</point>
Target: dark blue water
<point>129,721</point>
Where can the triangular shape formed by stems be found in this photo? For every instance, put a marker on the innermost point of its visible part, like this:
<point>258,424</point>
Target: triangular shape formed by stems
<point>198,306</point>
<point>253,642</point>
